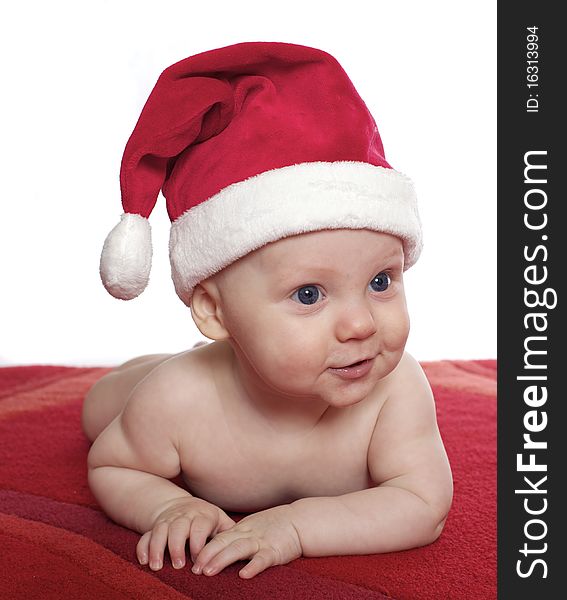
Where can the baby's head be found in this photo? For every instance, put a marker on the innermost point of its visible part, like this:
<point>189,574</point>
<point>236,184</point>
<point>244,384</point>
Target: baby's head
<point>305,304</point>
<point>272,168</point>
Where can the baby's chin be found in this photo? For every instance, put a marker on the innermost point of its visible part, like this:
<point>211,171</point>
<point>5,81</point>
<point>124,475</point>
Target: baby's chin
<point>318,386</point>
<point>334,391</point>
<point>350,395</point>
<point>347,392</point>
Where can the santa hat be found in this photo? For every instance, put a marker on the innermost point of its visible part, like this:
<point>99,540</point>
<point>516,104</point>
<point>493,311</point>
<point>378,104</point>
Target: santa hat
<point>249,144</point>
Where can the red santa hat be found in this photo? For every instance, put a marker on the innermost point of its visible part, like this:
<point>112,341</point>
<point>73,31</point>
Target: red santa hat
<point>249,144</point>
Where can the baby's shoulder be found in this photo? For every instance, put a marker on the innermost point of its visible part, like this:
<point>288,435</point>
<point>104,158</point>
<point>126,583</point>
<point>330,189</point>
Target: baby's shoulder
<point>407,381</point>
<point>408,369</point>
<point>175,386</point>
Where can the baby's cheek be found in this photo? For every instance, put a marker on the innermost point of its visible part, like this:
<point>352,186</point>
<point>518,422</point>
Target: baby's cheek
<point>397,336</point>
<point>295,355</point>
<point>394,327</point>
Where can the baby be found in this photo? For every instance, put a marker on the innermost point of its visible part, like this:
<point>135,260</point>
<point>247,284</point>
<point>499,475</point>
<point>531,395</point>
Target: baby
<point>289,241</point>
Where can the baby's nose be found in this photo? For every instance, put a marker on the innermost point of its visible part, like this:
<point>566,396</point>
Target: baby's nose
<point>356,321</point>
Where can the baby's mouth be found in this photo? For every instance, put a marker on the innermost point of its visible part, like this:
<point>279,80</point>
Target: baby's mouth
<point>354,370</point>
<point>354,364</point>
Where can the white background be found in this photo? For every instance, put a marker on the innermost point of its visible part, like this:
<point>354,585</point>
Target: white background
<point>75,76</point>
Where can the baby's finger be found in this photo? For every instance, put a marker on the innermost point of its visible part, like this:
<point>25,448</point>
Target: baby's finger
<point>260,562</point>
<point>237,550</point>
<point>143,548</point>
<point>157,545</point>
<point>201,528</point>
<point>177,538</point>
<point>225,522</point>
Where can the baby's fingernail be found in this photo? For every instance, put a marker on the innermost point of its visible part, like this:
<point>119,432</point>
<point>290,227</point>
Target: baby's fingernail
<point>196,569</point>
<point>155,565</point>
<point>143,559</point>
<point>208,570</point>
<point>177,563</point>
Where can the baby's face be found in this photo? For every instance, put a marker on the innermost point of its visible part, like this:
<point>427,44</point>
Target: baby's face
<point>302,306</point>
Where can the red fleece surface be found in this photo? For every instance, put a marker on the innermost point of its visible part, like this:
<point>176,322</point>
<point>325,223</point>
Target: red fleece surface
<point>56,542</point>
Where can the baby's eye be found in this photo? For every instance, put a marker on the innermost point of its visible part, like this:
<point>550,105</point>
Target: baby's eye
<point>308,294</point>
<point>381,282</point>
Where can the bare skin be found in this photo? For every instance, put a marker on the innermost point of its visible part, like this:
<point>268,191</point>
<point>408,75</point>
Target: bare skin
<point>328,463</point>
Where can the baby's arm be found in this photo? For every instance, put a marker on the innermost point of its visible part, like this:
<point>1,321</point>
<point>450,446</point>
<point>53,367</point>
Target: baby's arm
<point>407,460</point>
<point>129,467</point>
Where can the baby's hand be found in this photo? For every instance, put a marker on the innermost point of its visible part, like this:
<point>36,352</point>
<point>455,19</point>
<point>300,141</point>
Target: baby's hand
<point>191,518</point>
<point>267,537</point>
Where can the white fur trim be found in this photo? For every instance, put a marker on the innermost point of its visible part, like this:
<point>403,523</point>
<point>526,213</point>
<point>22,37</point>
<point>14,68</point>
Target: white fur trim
<point>287,201</point>
<point>126,257</point>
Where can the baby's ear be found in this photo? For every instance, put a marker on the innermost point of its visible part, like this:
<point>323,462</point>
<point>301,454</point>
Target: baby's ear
<point>206,311</point>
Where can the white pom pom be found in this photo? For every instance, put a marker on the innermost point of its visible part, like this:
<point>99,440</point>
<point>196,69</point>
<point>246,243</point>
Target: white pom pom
<point>126,257</point>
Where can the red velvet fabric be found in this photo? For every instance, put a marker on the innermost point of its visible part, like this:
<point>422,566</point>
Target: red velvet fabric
<point>222,116</point>
<point>57,544</point>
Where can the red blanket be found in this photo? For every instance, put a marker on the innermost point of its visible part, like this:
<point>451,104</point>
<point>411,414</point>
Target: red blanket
<point>56,543</point>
